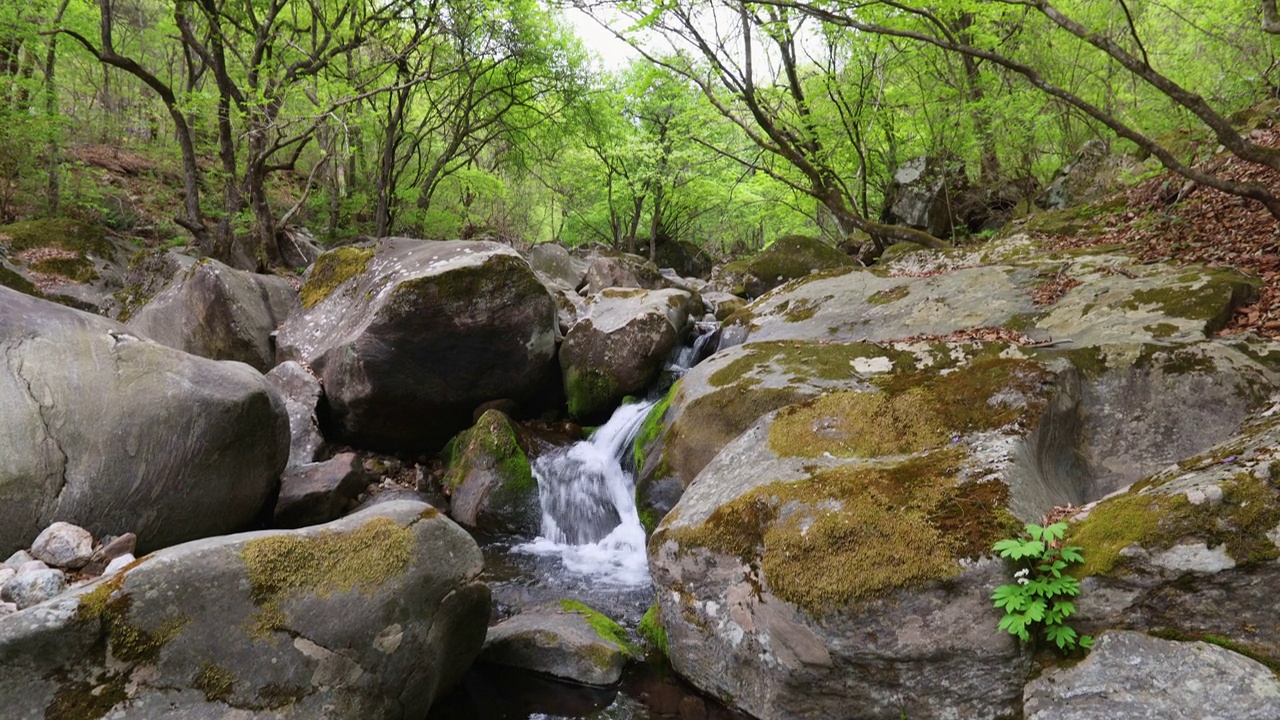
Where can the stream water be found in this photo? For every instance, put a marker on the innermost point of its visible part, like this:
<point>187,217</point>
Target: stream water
<point>591,547</point>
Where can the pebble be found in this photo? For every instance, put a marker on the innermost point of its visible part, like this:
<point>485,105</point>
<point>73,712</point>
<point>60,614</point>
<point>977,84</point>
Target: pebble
<point>118,564</point>
<point>17,559</point>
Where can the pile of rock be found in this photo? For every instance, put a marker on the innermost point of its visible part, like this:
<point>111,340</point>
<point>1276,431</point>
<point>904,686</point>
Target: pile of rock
<point>32,576</point>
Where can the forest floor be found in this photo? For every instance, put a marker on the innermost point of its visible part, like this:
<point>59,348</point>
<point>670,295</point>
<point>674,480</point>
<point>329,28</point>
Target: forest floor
<point>1168,219</point>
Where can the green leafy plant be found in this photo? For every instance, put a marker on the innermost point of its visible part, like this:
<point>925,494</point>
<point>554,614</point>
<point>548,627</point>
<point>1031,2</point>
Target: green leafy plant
<point>1036,602</point>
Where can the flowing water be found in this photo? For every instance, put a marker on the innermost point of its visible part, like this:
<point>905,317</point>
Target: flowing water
<point>589,515</point>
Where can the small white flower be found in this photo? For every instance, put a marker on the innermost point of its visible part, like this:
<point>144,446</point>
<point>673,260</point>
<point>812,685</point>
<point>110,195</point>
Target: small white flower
<point>1023,581</point>
<point>1021,573</point>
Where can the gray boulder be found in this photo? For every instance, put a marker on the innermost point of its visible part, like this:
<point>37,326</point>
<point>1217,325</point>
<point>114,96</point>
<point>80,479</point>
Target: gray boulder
<point>556,267</point>
<point>115,433</point>
<point>787,258</point>
<point>218,312</point>
<point>926,194</point>
<point>372,616</point>
<point>319,492</point>
<point>568,640</point>
<point>621,270</point>
<point>1130,676</point>
<point>619,346</point>
<point>408,337</point>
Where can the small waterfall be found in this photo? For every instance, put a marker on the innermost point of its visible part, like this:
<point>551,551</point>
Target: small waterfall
<point>587,489</point>
<point>588,503</point>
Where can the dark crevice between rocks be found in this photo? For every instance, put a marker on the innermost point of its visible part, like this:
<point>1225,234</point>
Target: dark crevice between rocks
<point>1050,467</point>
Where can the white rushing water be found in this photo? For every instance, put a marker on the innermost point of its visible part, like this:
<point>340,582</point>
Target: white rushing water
<point>589,514</point>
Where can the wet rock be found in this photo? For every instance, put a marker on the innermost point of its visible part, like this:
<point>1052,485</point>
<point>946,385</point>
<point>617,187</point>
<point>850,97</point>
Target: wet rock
<point>111,432</point>
<point>360,618</point>
<point>619,347</point>
<point>318,492</point>
<point>491,486</point>
<point>1130,676</point>
<point>32,587</point>
<point>568,640</point>
<point>301,393</point>
<point>409,336</point>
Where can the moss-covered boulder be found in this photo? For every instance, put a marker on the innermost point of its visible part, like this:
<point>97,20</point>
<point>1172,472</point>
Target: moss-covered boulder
<point>490,483</point>
<point>118,434</point>
<point>619,346</point>
<point>568,640</point>
<point>218,312</point>
<point>359,618</point>
<point>608,269</point>
<point>834,554</point>
<point>787,258</point>
<point>408,337</point>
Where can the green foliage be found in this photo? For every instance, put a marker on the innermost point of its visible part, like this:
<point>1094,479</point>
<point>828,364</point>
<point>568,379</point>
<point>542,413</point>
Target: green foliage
<point>1036,601</point>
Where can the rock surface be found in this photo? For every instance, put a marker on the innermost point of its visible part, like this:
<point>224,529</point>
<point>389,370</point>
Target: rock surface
<point>372,616</point>
<point>568,640</point>
<point>1130,676</point>
<point>319,492</point>
<point>218,312</point>
<point>621,270</point>
<point>409,336</point>
<point>301,393</point>
<point>114,433</point>
<point>33,587</point>
<point>619,346</point>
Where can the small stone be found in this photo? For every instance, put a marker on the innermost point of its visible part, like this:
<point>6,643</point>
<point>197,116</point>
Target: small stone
<point>118,564</point>
<point>1211,494</point>
<point>117,547</point>
<point>16,560</point>
<point>31,566</point>
<point>63,545</point>
<point>1262,471</point>
<point>31,588</point>
<point>6,573</point>
<point>7,608</point>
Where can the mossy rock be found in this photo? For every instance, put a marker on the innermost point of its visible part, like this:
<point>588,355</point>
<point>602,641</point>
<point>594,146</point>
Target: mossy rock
<point>331,270</point>
<point>489,477</point>
<point>787,258</point>
<point>1081,220</point>
<point>60,233</point>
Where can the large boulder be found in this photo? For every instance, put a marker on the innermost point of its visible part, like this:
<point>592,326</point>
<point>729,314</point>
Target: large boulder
<point>1130,676</point>
<point>491,485</point>
<point>787,258</point>
<point>218,312</point>
<point>556,267</point>
<point>620,270</point>
<point>408,337</point>
<point>619,346</point>
<point>67,261</point>
<point>118,434</point>
<point>372,616</point>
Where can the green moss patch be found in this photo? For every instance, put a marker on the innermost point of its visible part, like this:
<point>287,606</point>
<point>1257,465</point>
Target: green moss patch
<point>109,604</point>
<point>14,281</point>
<point>360,560</point>
<point>854,533</point>
<point>1211,301</point>
<point>590,393</point>
<point>652,426</point>
<point>607,629</point>
<point>87,701</point>
<point>1082,220</point>
<point>215,681</point>
<point>825,361</point>
<point>914,412</point>
<point>1249,509</point>
<point>652,631</point>
<point>331,270</point>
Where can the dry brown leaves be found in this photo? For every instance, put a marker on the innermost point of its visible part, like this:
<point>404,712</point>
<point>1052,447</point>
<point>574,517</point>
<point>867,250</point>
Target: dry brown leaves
<point>116,160</point>
<point>1052,291</point>
<point>1171,220</point>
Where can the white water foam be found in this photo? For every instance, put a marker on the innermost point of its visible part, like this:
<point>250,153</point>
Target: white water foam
<point>589,514</point>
